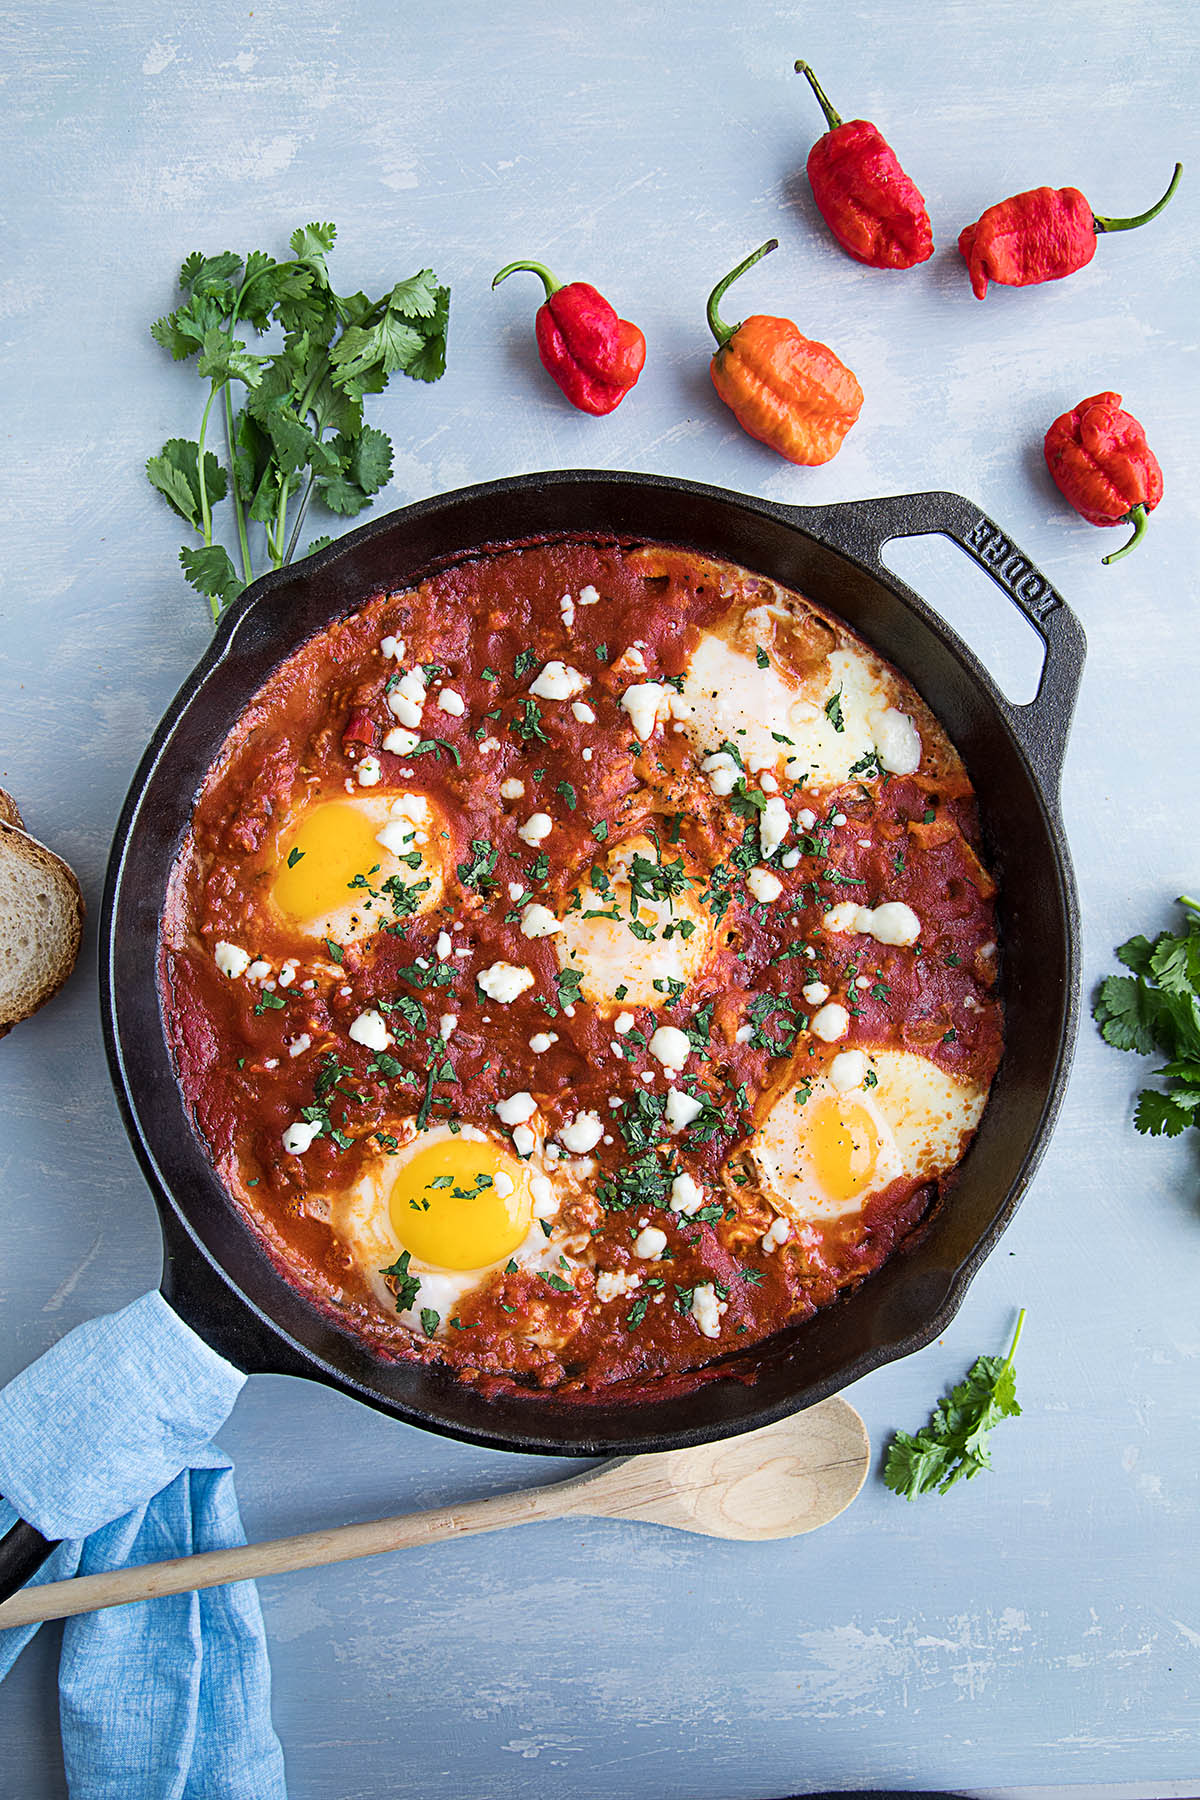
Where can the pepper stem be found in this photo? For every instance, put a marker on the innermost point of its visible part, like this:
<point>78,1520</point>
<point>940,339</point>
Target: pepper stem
<point>833,119</point>
<point>720,330</point>
<point>1139,518</point>
<point>535,268</point>
<point>1142,218</point>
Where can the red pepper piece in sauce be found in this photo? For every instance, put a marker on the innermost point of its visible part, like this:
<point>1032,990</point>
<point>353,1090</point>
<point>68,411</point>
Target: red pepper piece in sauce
<point>876,213</point>
<point>1101,463</point>
<point>1041,235</point>
<point>594,356</point>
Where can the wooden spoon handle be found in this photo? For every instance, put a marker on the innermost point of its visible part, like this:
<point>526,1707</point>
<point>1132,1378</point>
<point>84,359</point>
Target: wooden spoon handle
<point>309,1550</point>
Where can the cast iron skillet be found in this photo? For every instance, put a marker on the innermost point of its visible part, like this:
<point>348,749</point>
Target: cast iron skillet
<point>216,1275</point>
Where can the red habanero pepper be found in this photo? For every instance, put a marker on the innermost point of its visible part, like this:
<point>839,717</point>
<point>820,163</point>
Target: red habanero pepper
<point>874,211</point>
<point>786,390</point>
<point>1102,464</point>
<point>1041,235</point>
<point>594,356</point>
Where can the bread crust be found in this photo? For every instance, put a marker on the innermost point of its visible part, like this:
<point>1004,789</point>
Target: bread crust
<point>10,813</point>
<point>47,952</point>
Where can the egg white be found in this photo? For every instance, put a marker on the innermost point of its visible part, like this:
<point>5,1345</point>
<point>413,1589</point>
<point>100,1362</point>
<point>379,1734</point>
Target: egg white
<point>607,953</point>
<point>727,697</point>
<point>920,1121</point>
<point>361,1217</point>
<point>410,823</point>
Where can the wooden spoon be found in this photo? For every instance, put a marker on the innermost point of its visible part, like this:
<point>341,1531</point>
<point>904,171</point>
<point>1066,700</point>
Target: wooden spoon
<point>781,1481</point>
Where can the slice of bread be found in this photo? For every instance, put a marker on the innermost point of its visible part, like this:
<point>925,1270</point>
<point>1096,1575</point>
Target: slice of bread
<point>9,813</point>
<point>41,921</point>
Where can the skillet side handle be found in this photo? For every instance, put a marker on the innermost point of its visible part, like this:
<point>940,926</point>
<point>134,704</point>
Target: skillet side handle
<point>1043,725</point>
<point>23,1550</point>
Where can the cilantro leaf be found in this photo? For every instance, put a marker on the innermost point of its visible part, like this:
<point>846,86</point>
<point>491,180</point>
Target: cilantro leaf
<point>955,1444</point>
<point>175,472</point>
<point>211,572</point>
<point>1157,1008</point>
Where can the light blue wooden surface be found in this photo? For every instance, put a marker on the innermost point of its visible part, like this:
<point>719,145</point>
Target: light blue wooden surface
<point>1043,1624</point>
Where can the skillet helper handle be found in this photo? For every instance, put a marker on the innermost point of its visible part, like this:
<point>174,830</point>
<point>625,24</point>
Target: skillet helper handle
<point>23,1550</point>
<point>1043,725</point>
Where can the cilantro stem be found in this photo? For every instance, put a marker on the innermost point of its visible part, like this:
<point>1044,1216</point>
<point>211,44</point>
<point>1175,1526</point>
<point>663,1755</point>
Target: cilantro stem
<point>300,515</point>
<point>1008,1361</point>
<point>238,510</point>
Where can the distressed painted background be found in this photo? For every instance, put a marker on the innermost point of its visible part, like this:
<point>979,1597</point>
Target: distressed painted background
<point>1042,1625</point>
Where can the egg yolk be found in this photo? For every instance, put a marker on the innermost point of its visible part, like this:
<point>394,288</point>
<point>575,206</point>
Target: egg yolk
<point>334,843</point>
<point>461,1204</point>
<point>843,1142</point>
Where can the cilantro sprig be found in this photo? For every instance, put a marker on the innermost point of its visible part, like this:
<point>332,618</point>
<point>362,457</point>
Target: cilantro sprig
<point>1157,1008</point>
<point>954,1446</point>
<point>299,433</point>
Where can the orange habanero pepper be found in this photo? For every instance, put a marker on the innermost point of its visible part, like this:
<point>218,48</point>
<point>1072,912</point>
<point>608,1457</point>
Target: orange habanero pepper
<point>786,390</point>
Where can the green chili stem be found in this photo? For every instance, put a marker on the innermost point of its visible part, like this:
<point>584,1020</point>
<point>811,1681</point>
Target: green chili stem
<point>832,119</point>
<point>535,268</point>
<point>1141,219</point>
<point>720,330</point>
<point>1138,517</point>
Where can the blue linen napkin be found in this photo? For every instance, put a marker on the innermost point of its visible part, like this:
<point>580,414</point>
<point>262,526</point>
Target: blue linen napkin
<point>104,1442</point>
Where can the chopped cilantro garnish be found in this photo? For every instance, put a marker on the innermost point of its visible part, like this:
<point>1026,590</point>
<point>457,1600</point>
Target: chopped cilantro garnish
<point>833,711</point>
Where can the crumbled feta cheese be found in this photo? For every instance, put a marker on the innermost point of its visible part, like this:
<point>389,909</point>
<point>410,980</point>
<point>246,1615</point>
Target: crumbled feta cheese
<point>407,699</point>
<point>588,595</point>
<point>368,771</point>
<point>722,771</point>
<point>614,1284</point>
<point>566,607</point>
<point>392,647</point>
<point>624,1022</point>
<point>789,859</point>
<point>299,1045</point>
<point>806,818</point>
<point>287,974</point>
<point>504,982</point>
<point>814,992</point>
<point>517,1109</point>
<point>538,826</point>
<point>400,741</point>
<point>446,1026</point>
<point>586,753</point>
<point>370,1030</point>
<point>545,1200</point>
<point>451,701</point>
<point>706,1310</point>
<point>862,981</point>
<point>768,783</point>
<point>299,1137</point>
<point>650,1243</point>
<point>258,971</point>
<point>670,1046</point>
<point>777,1233</point>
<point>558,681</point>
<point>831,1023</point>
<point>515,890</point>
<point>397,836</point>
<point>764,885</point>
<point>444,945</point>
<point>682,1109</point>
<point>537,921</point>
<point>895,923</point>
<point>630,662</point>
<point>503,1184</point>
<point>582,1134</point>
<point>541,1041</point>
<point>743,1034</point>
<point>773,825</point>
<point>839,818</point>
<point>646,704</point>
<point>847,1070</point>
<point>686,1195</point>
<point>489,746</point>
<point>512,789</point>
<point>897,741</point>
<point>892,922</point>
<point>231,960</point>
<point>524,1142</point>
<point>842,917</point>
